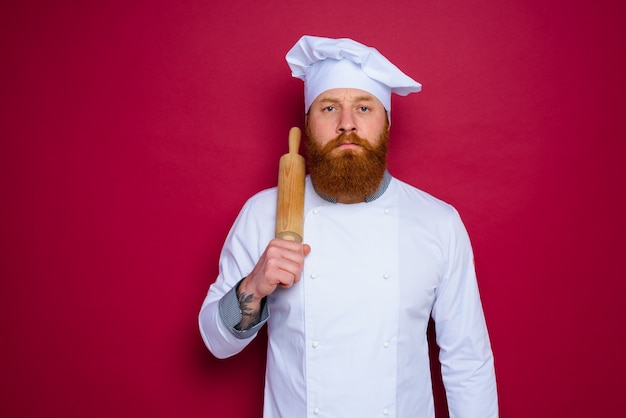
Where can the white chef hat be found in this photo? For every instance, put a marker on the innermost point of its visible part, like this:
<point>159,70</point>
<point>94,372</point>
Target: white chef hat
<point>325,63</point>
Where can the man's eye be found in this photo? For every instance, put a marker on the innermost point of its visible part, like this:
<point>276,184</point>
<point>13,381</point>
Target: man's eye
<point>329,108</point>
<point>364,108</point>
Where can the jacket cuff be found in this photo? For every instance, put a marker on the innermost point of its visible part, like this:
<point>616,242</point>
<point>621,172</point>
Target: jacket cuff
<point>230,313</point>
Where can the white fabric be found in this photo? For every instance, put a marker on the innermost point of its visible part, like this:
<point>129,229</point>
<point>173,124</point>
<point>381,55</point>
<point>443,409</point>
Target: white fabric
<point>349,340</point>
<point>325,63</point>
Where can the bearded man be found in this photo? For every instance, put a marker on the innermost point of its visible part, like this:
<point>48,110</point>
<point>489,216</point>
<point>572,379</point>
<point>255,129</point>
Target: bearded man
<point>347,312</point>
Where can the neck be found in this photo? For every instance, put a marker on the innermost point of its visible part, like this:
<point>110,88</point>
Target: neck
<point>349,199</point>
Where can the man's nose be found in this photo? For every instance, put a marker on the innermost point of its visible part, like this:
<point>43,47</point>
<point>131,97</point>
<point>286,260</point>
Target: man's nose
<point>346,124</point>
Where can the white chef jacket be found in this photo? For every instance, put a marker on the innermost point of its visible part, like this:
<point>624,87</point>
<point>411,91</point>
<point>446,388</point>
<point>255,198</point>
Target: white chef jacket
<point>349,339</point>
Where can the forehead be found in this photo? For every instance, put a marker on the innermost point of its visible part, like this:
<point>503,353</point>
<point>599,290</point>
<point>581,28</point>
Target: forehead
<point>348,95</point>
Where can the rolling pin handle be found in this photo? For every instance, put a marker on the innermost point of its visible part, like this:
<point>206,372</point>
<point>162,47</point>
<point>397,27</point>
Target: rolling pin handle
<point>294,140</point>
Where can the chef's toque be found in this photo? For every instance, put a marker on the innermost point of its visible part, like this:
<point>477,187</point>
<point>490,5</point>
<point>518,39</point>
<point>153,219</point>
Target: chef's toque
<point>325,63</point>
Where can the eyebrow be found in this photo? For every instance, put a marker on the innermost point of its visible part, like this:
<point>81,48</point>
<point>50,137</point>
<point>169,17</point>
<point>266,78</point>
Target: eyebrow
<point>364,98</point>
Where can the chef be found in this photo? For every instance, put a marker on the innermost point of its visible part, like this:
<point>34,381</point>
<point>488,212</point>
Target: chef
<point>347,311</point>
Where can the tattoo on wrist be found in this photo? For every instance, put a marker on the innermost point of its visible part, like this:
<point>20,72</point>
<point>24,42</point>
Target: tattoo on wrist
<point>244,301</point>
<point>249,315</point>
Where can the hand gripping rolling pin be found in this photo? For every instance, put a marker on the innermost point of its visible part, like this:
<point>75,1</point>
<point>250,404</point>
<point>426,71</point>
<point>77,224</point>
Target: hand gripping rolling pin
<point>290,204</point>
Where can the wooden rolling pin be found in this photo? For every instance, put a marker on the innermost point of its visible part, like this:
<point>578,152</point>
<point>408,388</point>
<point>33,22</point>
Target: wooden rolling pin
<point>290,204</point>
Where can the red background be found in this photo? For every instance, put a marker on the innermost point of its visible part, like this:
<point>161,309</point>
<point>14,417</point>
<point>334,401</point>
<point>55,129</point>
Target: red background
<point>132,133</point>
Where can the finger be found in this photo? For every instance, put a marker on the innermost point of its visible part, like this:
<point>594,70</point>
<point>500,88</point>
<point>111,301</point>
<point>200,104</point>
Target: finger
<point>289,258</point>
<point>288,279</point>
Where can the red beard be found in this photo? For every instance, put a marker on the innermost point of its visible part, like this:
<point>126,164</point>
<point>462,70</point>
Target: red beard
<point>348,175</point>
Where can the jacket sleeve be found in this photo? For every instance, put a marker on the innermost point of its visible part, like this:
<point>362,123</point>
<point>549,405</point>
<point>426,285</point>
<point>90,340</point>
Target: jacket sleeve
<point>220,311</point>
<point>467,365</point>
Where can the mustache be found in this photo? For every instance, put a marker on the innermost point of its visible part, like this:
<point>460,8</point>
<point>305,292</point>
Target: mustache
<point>345,138</point>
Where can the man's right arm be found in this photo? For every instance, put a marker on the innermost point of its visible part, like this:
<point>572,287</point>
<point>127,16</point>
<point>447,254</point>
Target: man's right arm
<point>230,319</point>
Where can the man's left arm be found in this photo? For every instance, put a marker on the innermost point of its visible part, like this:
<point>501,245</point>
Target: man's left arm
<point>466,358</point>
